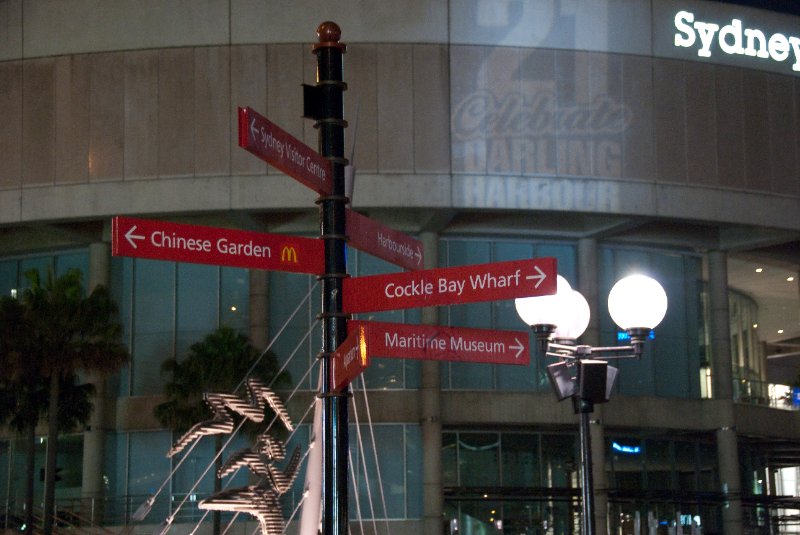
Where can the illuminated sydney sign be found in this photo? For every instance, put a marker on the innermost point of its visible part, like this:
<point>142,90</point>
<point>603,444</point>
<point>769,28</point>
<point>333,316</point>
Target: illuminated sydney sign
<point>734,39</point>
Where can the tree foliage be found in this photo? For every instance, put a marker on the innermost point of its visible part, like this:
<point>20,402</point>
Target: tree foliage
<point>218,363</point>
<point>53,332</point>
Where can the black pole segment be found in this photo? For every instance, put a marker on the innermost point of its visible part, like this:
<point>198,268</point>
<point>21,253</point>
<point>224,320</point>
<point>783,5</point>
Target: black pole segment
<point>331,126</point>
<point>587,479</point>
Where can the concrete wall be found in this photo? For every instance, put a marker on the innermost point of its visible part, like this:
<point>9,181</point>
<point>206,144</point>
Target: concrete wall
<point>153,131</point>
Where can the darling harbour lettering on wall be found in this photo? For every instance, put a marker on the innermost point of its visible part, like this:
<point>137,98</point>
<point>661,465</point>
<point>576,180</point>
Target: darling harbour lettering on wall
<point>528,133</point>
<point>534,193</point>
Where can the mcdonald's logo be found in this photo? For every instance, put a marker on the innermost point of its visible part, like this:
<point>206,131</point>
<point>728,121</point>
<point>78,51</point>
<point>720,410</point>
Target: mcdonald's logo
<point>289,254</point>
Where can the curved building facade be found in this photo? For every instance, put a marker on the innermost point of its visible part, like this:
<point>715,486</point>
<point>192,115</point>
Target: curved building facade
<point>616,136</point>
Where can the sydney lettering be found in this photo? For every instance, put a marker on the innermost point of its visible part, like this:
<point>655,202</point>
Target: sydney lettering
<point>735,40</point>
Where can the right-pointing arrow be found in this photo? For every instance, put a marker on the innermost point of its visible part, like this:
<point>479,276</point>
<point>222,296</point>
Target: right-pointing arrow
<point>519,347</point>
<point>539,278</point>
<point>130,236</point>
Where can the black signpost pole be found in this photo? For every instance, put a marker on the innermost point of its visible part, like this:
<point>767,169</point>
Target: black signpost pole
<point>329,99</point>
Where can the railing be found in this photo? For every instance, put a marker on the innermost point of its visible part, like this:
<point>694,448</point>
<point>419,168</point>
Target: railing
<point>763,393</point>
<point>82,515</point>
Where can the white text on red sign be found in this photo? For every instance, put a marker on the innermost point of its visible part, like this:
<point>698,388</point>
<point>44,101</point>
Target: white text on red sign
<point>463,284</point>
<point>438,342</point>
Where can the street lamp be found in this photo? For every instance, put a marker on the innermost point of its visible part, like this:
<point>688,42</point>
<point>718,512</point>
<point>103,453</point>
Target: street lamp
<point>637,304</point>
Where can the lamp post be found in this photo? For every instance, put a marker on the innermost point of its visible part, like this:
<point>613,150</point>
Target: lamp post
<point>637,304</point>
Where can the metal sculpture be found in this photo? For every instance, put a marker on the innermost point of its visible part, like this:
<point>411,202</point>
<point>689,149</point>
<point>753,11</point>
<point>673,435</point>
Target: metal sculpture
<point>262,499</point>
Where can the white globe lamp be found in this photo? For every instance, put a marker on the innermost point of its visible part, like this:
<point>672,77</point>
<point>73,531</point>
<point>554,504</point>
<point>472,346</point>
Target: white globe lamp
<point>543,309</point>
<point>637,302</point>
<point>573,316</point>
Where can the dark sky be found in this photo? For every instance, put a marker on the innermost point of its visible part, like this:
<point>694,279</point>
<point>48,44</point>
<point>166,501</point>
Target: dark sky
<point>781,6</point>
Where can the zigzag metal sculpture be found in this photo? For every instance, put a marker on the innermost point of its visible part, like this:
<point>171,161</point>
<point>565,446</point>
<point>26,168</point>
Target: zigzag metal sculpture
<point>260,500</point>
<point>221,423</point>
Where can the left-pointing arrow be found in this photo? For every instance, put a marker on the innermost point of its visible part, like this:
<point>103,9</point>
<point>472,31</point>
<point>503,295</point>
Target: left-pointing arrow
<point>254,130</point>
<point>130,236</point>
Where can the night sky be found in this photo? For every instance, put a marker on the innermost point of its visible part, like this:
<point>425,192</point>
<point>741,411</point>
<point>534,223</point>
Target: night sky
<point>781,6</point>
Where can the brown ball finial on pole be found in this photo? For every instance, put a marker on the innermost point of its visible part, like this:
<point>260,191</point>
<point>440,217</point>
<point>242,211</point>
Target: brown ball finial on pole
<point>328,34</point>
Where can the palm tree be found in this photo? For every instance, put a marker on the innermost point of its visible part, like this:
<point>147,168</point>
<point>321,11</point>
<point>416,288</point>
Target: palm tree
<point>68,332</point>
<point>24,391</point>
<point>218,363</point>
<point>23,394</point>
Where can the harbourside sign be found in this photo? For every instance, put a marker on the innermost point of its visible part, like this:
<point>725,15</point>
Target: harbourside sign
<point>734,39</point>
<point>386,243</point>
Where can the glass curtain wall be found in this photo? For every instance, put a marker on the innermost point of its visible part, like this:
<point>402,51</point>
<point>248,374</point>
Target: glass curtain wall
<point>511,482</point>
<point>529,482</point>
<point>165,307</point>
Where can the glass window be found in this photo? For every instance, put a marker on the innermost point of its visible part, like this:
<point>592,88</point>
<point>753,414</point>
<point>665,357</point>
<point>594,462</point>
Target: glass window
<point>5,464</point>
<point>707,467</point>
<point>560,462</point>
<point>75,260</point>
<point>165,307</point>
<point>196,473</point>
<point>9,279</point>
<point>478,517</point>
<point>122,292</point>
<point>154,324</point>
<point>627,464</point>
<point>414,483</point>
<point>520,460</point>
<point>686,465</point>
<point>671,363</point>
<point>449,459</point>
<point>659,464</point>
<point>287,291</point>
<point>234,298</point>
<point>40,263</point>
<point>12,271</point>
<point>479,459</point>
<point>115,471</point>
<point>300,438</point>
<point>148,467</point>
<point>400,466</point>
<point>197,307</point>
<point>69,463</point>
<point>467,376</point>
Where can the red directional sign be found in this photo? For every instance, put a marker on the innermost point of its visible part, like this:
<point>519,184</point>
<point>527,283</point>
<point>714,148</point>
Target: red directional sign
<point>449,286</point>
<point>372,237</point>
<point>350,358</point>
<point>161,240</point>
<point>285,152</point>
<point>436,342</point>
